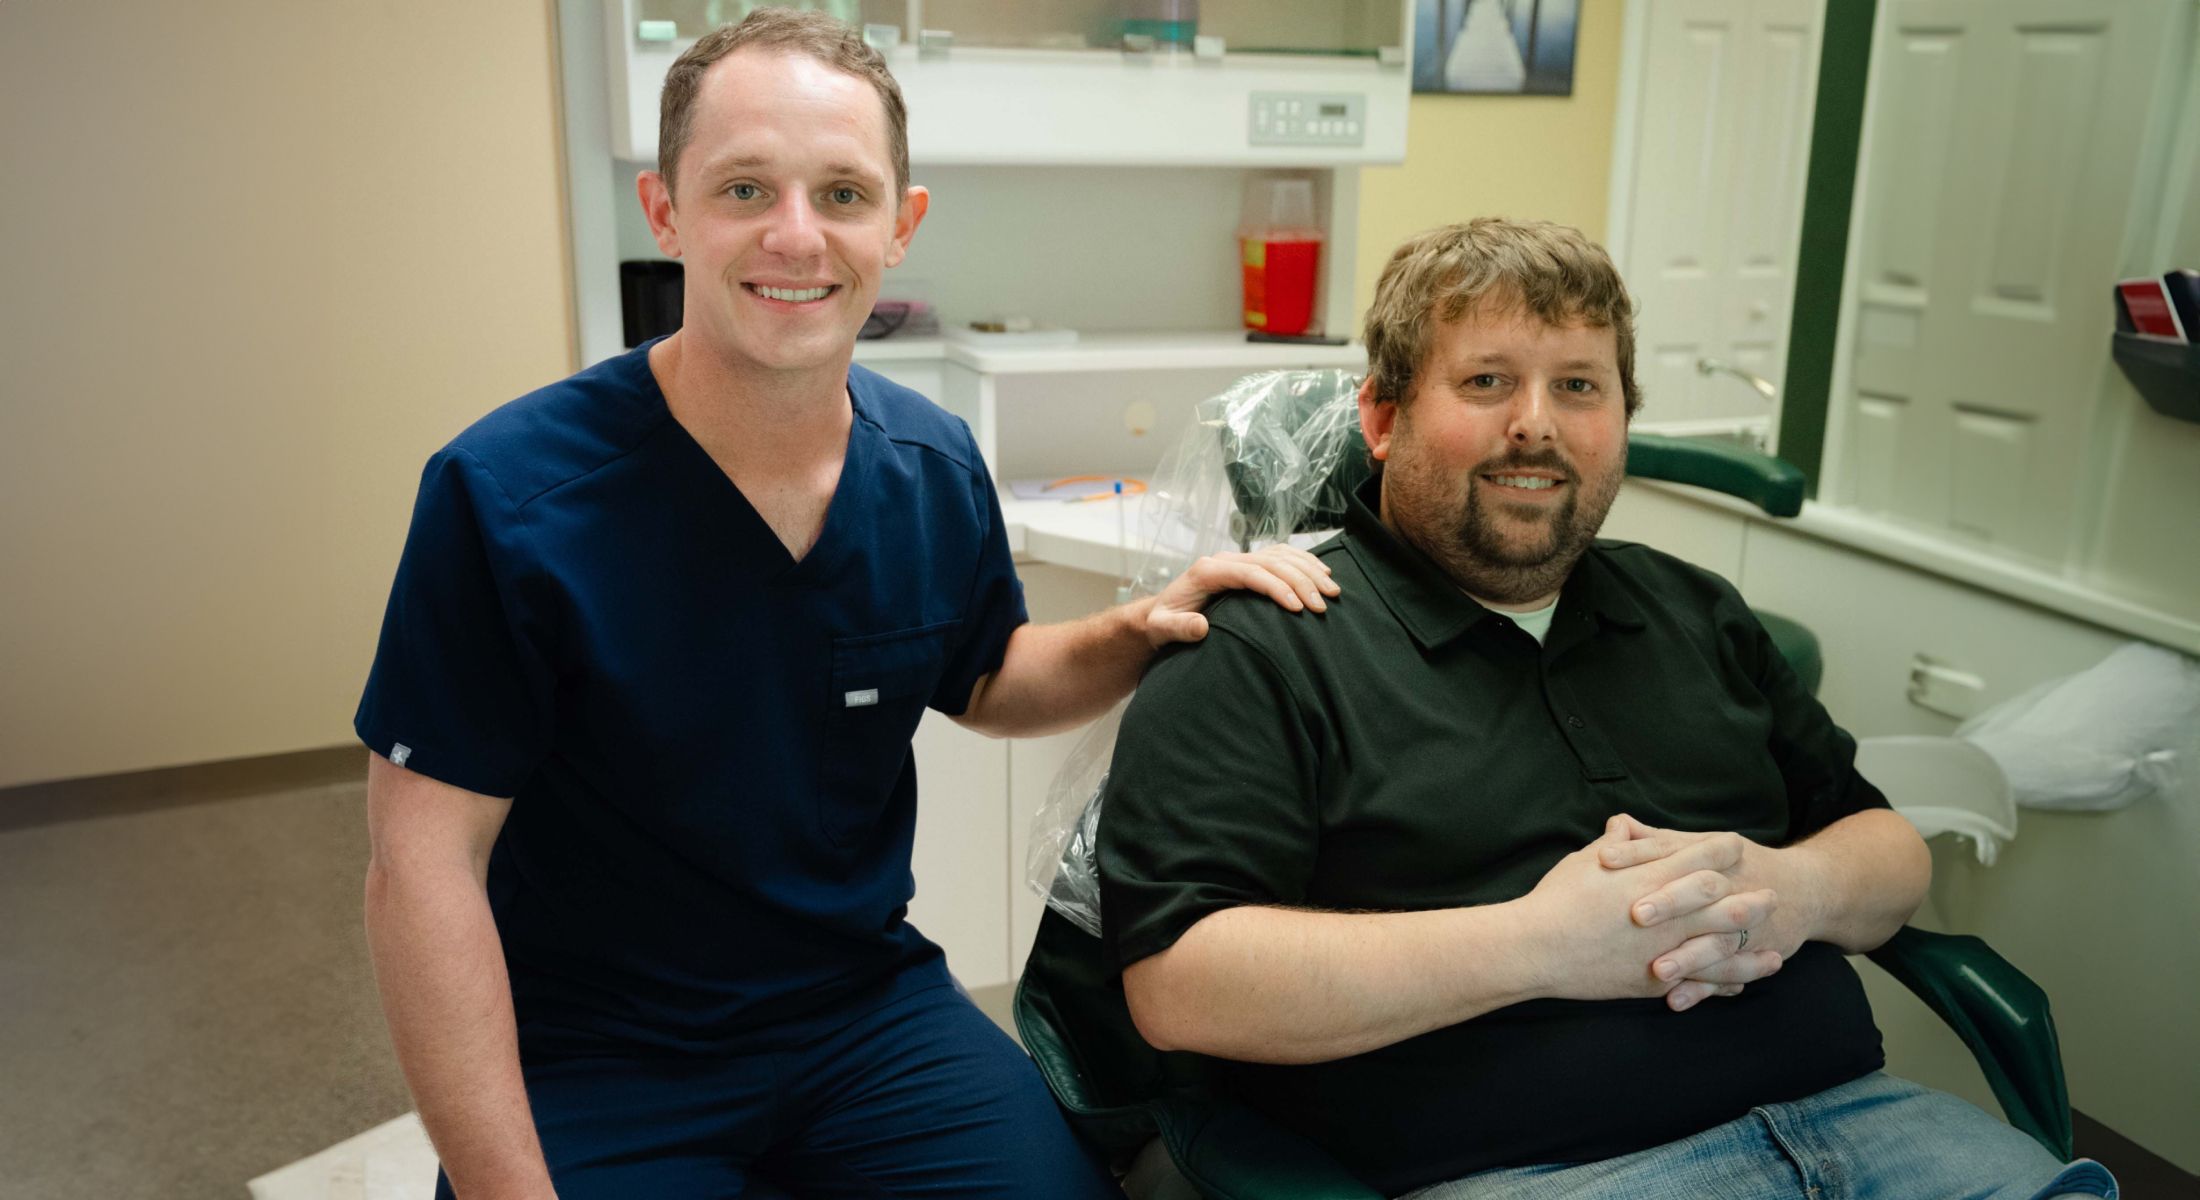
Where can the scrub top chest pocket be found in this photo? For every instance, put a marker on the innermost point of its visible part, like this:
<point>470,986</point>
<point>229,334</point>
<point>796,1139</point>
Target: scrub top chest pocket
<point>880,683</point>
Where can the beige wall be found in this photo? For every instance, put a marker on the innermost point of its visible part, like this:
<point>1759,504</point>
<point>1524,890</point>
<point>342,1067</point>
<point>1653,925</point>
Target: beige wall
<point>1542,157</point>
<point>256,262</point>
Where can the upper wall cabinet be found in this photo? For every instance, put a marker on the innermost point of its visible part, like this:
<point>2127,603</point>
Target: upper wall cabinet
<point>1254,83</point>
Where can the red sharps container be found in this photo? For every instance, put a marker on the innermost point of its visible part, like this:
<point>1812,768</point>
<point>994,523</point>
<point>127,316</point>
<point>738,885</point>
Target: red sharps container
<point>1280,247</point>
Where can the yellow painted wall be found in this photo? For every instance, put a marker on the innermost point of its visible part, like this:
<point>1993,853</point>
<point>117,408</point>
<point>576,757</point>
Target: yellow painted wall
<point>1542,157</point>
<point>256,262</point>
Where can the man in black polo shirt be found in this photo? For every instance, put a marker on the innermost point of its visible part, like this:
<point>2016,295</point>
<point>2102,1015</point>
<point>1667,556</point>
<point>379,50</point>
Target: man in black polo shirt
<point>1529,867</point>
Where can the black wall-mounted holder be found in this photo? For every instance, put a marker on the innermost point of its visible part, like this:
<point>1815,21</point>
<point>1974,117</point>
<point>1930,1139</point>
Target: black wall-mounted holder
<point>2166,373</point>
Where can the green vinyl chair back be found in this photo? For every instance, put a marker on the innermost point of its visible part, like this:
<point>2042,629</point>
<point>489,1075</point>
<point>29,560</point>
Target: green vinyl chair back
<point>1772,484</point>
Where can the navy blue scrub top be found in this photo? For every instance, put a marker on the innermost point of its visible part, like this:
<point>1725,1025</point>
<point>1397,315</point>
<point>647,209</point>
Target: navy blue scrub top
<point>706,742</point>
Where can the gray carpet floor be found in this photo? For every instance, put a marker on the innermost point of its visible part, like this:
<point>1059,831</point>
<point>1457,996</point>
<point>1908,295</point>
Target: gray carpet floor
<point>185,997</point>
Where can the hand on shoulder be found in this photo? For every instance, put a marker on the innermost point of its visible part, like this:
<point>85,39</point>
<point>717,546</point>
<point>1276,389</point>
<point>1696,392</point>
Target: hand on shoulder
<point>1293,578</point>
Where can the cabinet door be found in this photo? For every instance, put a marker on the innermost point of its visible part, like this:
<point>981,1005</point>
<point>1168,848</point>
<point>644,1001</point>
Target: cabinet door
<point>1033,765</point>
<point>962,853</point>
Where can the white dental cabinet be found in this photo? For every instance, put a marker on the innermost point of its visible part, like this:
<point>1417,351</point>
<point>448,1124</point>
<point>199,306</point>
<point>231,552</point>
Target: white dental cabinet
<point>1082,185</point>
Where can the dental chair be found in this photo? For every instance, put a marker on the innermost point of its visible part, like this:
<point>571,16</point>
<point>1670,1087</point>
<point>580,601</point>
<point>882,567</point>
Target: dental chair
<point>1178,1136</point>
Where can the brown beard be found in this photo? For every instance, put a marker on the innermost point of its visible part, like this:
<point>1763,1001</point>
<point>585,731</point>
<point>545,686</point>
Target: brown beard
<point>1476,555</point>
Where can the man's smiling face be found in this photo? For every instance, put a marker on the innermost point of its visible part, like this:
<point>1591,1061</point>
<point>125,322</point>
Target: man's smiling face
<point>1506,457</point>
<point>786,215</point>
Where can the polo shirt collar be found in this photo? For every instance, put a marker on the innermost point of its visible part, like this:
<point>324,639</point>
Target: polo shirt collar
<point>1604,592</point>
<point>1431,606</point>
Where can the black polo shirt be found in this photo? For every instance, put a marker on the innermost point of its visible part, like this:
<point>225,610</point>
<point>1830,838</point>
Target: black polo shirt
<point>1412,750</point>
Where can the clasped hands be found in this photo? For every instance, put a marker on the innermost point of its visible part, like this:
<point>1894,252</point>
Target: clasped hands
<point>1643,911</point>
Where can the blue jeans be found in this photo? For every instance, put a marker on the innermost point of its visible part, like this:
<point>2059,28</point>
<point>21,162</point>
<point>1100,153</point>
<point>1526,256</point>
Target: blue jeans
<point>1878,1136</point>
<point>923,1097</point>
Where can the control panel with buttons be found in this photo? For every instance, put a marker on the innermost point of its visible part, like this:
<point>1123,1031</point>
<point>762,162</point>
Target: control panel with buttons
<point>1309,119</point>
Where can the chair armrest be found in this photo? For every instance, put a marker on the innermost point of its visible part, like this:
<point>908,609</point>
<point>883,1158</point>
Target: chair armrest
<point>1102,1077</point>
<point>1772,484</point>
<point>2001,1015</point>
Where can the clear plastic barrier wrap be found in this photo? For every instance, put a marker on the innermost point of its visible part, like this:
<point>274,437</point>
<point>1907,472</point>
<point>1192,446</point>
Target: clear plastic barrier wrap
<point>1259,463</point>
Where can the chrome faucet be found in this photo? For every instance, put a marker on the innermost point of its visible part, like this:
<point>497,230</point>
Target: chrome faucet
<point>1714,366</point>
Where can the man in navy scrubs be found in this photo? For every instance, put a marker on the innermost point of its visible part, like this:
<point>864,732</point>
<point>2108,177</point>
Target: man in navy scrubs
<point>641,795</point>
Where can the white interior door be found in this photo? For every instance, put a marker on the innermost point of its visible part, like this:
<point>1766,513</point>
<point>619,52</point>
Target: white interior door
<point>2001,153</point>
<point>1710,202</point>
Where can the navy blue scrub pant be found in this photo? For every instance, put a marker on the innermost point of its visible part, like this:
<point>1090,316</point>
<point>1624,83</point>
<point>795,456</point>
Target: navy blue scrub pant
<point>925,1097</point>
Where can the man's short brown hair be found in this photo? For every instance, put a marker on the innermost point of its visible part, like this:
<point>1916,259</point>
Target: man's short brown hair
<point>1537,267</point>
<point>793,31</point>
